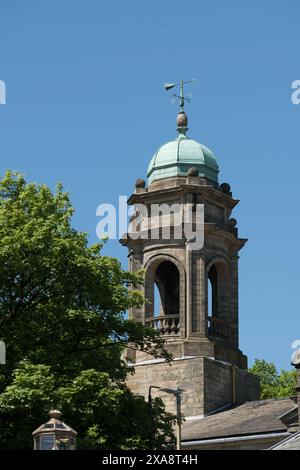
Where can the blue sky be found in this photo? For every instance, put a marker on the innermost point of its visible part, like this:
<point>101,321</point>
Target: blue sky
<point>86,106</point>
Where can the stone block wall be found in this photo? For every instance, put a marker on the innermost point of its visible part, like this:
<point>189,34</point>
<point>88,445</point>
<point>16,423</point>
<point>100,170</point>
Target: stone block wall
<point>184,373</point>
<point>208,384</point>
<point>225,385</point>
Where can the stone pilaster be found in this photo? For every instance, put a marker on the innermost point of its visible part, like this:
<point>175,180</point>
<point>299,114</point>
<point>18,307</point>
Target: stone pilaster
<point>234,300</point>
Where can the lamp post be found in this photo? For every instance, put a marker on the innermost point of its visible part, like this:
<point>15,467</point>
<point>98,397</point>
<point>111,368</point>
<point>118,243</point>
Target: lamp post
<point>150,414</point>
<point>177,393</point>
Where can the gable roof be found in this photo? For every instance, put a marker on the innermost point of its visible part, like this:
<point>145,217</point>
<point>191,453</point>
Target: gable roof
<point>255,417</point>
<point>290,443</point>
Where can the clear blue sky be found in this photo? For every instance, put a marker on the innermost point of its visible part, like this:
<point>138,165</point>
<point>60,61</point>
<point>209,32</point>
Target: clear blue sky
<point>85,106</point>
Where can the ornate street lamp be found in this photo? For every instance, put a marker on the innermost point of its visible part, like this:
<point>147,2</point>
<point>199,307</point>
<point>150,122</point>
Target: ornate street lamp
<point>54,435</point>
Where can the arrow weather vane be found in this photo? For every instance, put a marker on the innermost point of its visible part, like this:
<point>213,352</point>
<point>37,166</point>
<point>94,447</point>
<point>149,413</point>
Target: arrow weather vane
<point>180,97</point>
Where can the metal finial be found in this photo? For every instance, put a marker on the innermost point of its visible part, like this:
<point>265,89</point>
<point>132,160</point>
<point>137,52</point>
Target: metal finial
<point>182,119</point>
<point>55,414</point>
<point>182,99</point>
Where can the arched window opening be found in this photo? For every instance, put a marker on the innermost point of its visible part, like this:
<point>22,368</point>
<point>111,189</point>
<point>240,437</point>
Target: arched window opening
<point>213,292</point>
<point>217,301</point>
<point>157,308</point>
<point>162,312</point>
<point>209,298</point>
<point>167,282</point>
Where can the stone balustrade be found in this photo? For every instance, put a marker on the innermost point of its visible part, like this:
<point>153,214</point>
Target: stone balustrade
<point>165,324</point>
<point>218,328</point>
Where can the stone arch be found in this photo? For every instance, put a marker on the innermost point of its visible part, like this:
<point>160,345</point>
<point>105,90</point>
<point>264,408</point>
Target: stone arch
<point>168,274</point>
<point>217,273</point>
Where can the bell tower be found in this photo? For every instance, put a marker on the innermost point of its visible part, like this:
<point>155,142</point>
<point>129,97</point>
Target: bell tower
<point>184,238</point>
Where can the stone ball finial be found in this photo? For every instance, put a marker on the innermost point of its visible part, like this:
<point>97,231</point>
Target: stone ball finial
<point>140,183</point>
<point>182,120</point>
<point>232,222</point>
<point>193,171</point>
<point>225,188</point>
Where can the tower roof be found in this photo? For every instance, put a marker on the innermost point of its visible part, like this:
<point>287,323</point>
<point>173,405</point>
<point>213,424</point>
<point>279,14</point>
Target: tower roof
<point>175,158</point>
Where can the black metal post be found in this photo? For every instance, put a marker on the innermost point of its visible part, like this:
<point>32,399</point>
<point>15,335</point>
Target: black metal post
<point>150,418</point>
<point>150,414</point>
<point>178,427</point>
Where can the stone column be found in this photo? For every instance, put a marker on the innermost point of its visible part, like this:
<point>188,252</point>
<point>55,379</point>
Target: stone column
<point>195,293</point>
<point>201,296</point>
<point>189,291</point>
<point>135,264</point>
<point>234,300</point>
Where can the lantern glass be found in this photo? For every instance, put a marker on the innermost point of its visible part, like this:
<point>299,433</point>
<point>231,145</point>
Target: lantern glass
<point>54,435</point>
<point>47,442</point>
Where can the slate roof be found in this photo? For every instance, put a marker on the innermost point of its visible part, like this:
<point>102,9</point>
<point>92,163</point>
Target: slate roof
<point>291,443</point>
<point>253,417</point>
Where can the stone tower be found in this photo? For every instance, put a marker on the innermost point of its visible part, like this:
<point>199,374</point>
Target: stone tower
<point>196,287</point>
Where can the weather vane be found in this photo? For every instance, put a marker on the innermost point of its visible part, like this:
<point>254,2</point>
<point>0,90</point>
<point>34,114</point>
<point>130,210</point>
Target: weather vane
<point>180,97</point>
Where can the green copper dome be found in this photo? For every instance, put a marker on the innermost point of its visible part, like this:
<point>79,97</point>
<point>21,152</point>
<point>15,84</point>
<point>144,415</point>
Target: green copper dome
<point>175,158</point>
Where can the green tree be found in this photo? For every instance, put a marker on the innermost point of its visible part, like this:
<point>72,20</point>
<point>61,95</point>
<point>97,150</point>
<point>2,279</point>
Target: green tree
<point>104,412</point>
<point>272,383</point>
<point>62,317</point>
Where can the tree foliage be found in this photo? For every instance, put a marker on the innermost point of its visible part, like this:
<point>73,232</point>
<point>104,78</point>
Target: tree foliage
<point>104,412</point>
<point>62,317</point>
<point>272,383</point>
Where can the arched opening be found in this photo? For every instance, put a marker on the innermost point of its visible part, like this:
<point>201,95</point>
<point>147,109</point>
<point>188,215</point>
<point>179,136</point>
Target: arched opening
<point>162,291</point>
<point>167,282</point>
<point>213,291</point>
<point>217,300</point>
<point>157,308</point>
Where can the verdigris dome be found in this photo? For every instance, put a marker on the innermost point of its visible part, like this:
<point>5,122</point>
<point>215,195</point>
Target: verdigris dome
<point>175,158</point>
